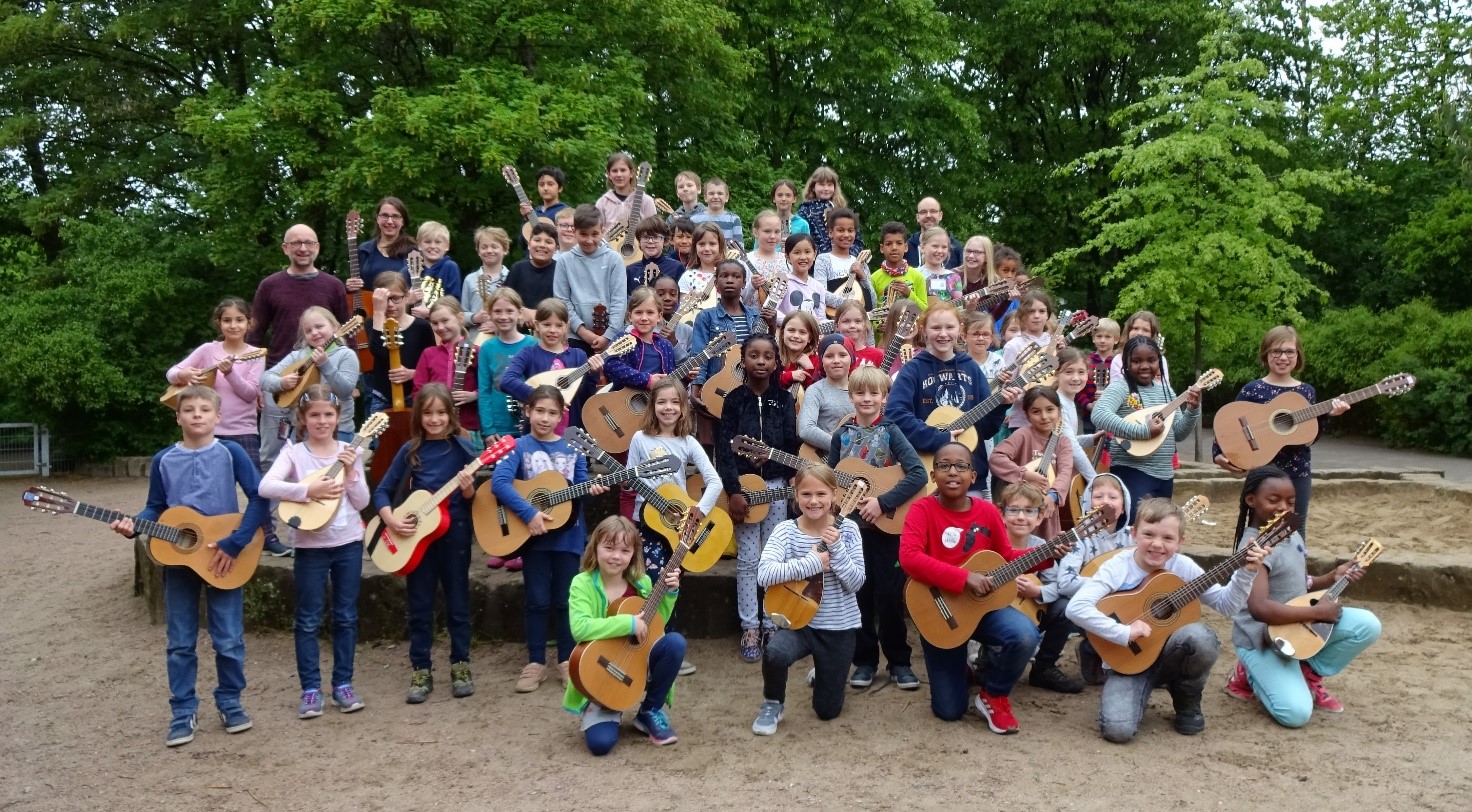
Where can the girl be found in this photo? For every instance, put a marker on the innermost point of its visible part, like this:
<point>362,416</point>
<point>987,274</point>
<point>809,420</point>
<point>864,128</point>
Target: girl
<point>851,321</point>
<point>803,291</point>
<point>338,365</point>
<point>821,193</point>
<point>667,294</point>
<point>649,363</point>
<point>784,197</point>
<point>437,363</point>
<point>935,249</point>
<point>238,382</point>
<point>1282,354</point>
<point>978,264</point>
<point>614,205</point>
<point>550,558</point>
<point>766,413</point>
<point>708,250</point>
<point>1041,405</point>
<point>435,455</point>
<point>799,343</point>
<point>1141,387</point>
<point>1290,689</point>
<point>390,301</point>
<point>826,401</point>
<point>550,352</point>
<point>669,428</point>
<point>1073,373</point>
<point>891,322</point>
<point>767,259</point>
<point>388,250</point>
<point>833,267</point>
<point>1141,323</point>
<point>1011,328</point>
<point>1008,265</point>
<point>812,544</point>
<point>496,414</point>
<point>333,552</point>
<point>612,568</point>
<point>1034,310</point>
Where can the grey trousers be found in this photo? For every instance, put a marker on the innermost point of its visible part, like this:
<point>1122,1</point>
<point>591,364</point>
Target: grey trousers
<point>1183,667</point>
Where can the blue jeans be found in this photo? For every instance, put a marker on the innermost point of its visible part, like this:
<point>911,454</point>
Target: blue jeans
<point>1278,681</point>
<point>227,634</point>
<point>313,567</point>
<point>547,577</point>
<point>1183,666</point>
<point>446,563</point>
<point>1140,484</point>
<point>664,665</point>
<point>1012,637</point>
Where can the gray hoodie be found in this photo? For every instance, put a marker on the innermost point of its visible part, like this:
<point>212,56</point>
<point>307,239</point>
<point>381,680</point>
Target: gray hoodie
<point>1067,579</point>
<point>584,282</point>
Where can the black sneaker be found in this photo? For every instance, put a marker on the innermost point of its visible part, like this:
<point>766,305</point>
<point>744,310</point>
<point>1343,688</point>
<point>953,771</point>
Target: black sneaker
<point>1091,668</point>
<point>904,678</point>
<point>1052,678</point>
<point>1189,719</point>
<point>862,677</point>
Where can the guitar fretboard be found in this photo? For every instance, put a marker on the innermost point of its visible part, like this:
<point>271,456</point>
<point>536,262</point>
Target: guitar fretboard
<point>145,526</point>
<point>1037,555</point>
<point>1218,574</point>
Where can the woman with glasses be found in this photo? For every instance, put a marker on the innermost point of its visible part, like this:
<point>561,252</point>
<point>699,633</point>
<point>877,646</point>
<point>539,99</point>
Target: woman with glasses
<point>388,249</point>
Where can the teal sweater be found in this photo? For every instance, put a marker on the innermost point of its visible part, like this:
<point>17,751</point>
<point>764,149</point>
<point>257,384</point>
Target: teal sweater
<point>1109,413</point>
<point>587,613</point>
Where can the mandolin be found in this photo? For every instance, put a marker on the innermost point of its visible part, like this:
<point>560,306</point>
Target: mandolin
<point>567,380</point>
<point>1141,417</point>
<point>627,244</point>
<point>1251,434</point>
<point>170,397</point>
<point>315,515</point>
<point>851,471</point>
<point>1304,640</point>
<point>509,173</point>
<point>851,287</point>
<point>308,371</point>
<point>732,373</point>
<point>613,417</point>
<point>429,288</point>
<point>794,604</point>
<point>360,305</point>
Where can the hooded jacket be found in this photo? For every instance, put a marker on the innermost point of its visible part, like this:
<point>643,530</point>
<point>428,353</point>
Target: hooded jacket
<point>927,382</point>
<point>1067,579</point>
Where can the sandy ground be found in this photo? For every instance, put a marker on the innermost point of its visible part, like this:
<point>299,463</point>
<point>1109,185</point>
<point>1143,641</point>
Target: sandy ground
<point>85,712</point>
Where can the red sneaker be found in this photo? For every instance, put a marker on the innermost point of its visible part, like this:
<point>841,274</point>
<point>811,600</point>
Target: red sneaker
<point>1323,700</point>
<point>1237,684</point>
<point>998,712</point>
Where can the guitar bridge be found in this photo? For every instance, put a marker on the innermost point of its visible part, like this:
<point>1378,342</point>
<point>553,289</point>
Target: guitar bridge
<point>1247,432</point>
<point>1133,646</point>
<point>943,608</point>
<point>614,671</point>
<point>612,424</point>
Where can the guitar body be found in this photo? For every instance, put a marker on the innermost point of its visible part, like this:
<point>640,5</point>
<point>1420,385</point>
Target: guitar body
<point>1272,429</point>
<point>613,417</point>
<point>939,419</point>
<point>750,483</point>
<point>1127,606</point>
<point>811,454</point>
<point>880,482</point>
<point>499,530</point>
<point>850,289</point>
<point>948,619</point>
<point>531,220</point>
<point>170,397</point>
<point>562,379</point>
<point>1029,607</point>
<point>194,552</point>
<point>1076,494</point>
<point>723,383</point>
<point>309,373</point>
<point>1144,448</point>
<point>716,525</point>
<point>615,672</point>
<point>401,554</point>
<point>389,442</point>
<point>1301,640</point>
<point>1051,474</point>
<point>794,604</point>
<point>312,515</point>
<point>1093,564</point>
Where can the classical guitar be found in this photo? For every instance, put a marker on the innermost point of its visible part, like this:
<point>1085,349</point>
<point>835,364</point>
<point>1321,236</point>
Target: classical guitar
<point>360,305</point>
<point>308,371</point>
<point>315,515</point>
<point>904,330</point>
<point>627,244</point>
<point>732,374</point>
<point>615,672</point>
<point>509,173</point>
<point>465,354</point>
<point>1251,434</point>
<point>1304,640</point>
<point>998,292</point>
<point>666,506</point>
<point>613,417</point>
<point>1080,323</point>
<point>567,380</point>
<point>1168,411</point>
<point>1167,602</point>
<point>170,397</point>
<point>948,619</point>
<point>179,538</point>
<point>851,287</point>
<point>793,604</point>
<point>1195,511</point>
<point>1044,464</point>
<point>501,532</point>
<point>829,327</point>
<point>851,471</point>
<point>429,288</point>
<point>398,554</point>
<point>483,288</point>
<point>399,428</point>
<point>759,497</point>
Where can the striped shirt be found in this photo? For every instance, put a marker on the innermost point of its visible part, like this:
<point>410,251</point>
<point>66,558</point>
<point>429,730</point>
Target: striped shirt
<point>788,556</point>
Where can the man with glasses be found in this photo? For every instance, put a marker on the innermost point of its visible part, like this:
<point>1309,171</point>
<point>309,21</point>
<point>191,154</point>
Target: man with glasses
<point>928,215</point>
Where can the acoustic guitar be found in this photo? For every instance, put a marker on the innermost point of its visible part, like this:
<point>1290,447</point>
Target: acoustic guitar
<point>501,532</point>
<point>1304,640</point>
<point>613,417</point>
<point>696,301</point>
<point>429,288</point>
<point>1251,434</point>
<point>614,672</point>
<point>794,604</point>
<point>181,537</point>
<point>666,506</point>
<point>627,244</point>
<point>1167,602</point>
<point>948,619</point>
<point>170,397</point>
<point>852,289</point>
<point>399,414</point>
<point>759,497</point>
<point>732,373</point>
<point>567,380</point>
<point>851,471</point>
<point>997,292</point>
<point>398,554</point>
<point>360,304</point>
<point>904,330</point>
<point>1079,324</point>
<point>315,515</point>
<point>509,173</point>
<point>1044,464</point>
<point>1141,417</point>
<point>308,371</point>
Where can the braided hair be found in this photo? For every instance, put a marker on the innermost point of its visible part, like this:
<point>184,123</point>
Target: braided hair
<point>1129,347</point>
<point>1255,479</point>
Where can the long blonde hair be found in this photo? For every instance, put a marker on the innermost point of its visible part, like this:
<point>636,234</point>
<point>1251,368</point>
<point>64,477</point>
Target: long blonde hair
<point>820,175</point>
<point>615,527</point>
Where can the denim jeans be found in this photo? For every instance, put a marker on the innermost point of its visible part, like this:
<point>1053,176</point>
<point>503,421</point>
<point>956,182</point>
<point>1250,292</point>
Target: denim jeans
<point>272,418</point>
<point>547,577</point>
<point>447,563</point>
<point>1183,667</point>
<point>1278,681</point>
<point>227,634</point>
<point>313,567</point>
<point>832,652</point>
<point>664,665</point>
<point>882,602</point>
<point>1012,637</point>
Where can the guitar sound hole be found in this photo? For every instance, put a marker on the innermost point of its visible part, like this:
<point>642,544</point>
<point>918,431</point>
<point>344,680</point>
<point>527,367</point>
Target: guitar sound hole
<point>638,403</point>
<point>672,517</point>
<point>1282,422</point>
<point>1161,610</point>
<point>188,539</point>
<point>539,499</point>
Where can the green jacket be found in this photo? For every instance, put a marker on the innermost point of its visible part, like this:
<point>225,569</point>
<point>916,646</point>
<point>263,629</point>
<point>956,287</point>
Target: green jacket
<point>587,613</point>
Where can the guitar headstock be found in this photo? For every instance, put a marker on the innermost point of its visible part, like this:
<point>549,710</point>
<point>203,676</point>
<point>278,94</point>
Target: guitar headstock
<point>621,345</point>
<point>494,452</point>
<point>641,179</point>
<point>662,207</point>
<point>374,425</point>
<point>1091,523</point>
<point>465,354</point>
<point>751,449</point>
<point>509,173</point>
<point>879,313</point>
<point>1196,507</point>
<point>353,225</point>
<point>719,344</point>
<point>1025,355</point>
<point>904,327</point>
<point>600,318</point>
<point>391,338</point>
<point>1081,324</point>
<point>1209,379</point>
<point>1277,530</point>
<point>654,467</point>
<point>1397,384</point>
<point>583,443</point>
<point>349,327</point>
<point>852,496</point>
<point>1040,369</point>
<point>1367,553</point>
<point>776,289</point>
<point>907,353</point>
<point>414,265</point>
<point>614,233</point>
<point>47,500</point>
<point>863,257</point>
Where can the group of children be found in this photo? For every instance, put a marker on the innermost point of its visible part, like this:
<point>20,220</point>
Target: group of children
<point>860,402</point>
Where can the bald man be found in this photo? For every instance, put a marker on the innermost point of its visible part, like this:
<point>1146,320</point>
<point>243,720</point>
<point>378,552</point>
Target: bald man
<point>928,215</point>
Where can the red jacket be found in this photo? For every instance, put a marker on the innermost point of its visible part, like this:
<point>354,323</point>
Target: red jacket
<point>936,542</point>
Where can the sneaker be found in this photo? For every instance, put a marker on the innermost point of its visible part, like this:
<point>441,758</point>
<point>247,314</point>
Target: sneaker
<point>531,678</point>
<point>862,677</point>
<point>1237,684</point>
<point>1323,700</point>
<point>181,731</point>
<point>276,548</point>
<point>812,675</point>
<point>656,725</point>
<point>562,671</point>
<point>1052,678</point>
<point>235,720</point>
<point>767,718</point>
<point>751,645</point>
<point>495,562</point>
<point>1090,666</point>
<point>345,700</point>
<point>311,706</point>
<point>904,678</point>
<point>686,668</point>
<point>998,713</point>
<point>1189,719</point>
<point>461,685</point>
<point>420,686</point>
<point>513,565</point>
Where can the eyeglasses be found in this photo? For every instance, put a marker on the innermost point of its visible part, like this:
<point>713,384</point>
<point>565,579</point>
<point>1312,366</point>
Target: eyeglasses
<point>1282,353</point>
<point>390,217</point>
<point>395,299</point>
<point>953,466</point>
<point>331,398</point>
<point>300,243</point>
<point>1021,511</point>
<point>973,253</point>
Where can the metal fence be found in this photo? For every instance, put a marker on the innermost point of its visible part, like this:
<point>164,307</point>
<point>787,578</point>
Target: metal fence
<point>25,449</point>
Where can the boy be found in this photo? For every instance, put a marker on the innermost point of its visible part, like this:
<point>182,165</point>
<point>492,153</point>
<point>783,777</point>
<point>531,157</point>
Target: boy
<point>202,473</point>
<point>731,315</point>
<point>687,191</point>
<point>567,235</point>
<point>716,195</point>
<point>681,241</point>
<point>434,244</point>
<point>894,270</point>
<point>652,234</point>
<point>1022,506</point>
<point>1189,653</point>
<point>590,275</point>
<point>550,181</point>
<point>1106,345</point>
<point>869,436</point>
<point>534,278</point>
<point>492,244</point>
<point>667,293</point>
<point>1112,498</point>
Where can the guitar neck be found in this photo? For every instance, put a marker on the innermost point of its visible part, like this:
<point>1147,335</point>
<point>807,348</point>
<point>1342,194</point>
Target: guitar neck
<point>448,488</point>
<point>531,216</point>
<point>767,496</point>
<point>1168,409</point>
<point>636,204</point>
<point>688,540</point>
<point>1333,592</point>
<point>684,367</point>
<point>976,413</point>
<point>1219,573</point>
<point>144,526</point>
<point>396,390</point>
<point>581,489</point>
<point>1320,409</point>
<point>1031,558</point>
<point>891,352</point>
<point>355,273</point>
<point>1050,451</point>
<point>792,461</point>
<point>358,442</point>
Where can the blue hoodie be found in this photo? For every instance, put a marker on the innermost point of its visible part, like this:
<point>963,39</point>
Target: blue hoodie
<point>1067,579</point>
<point>927,382</point>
